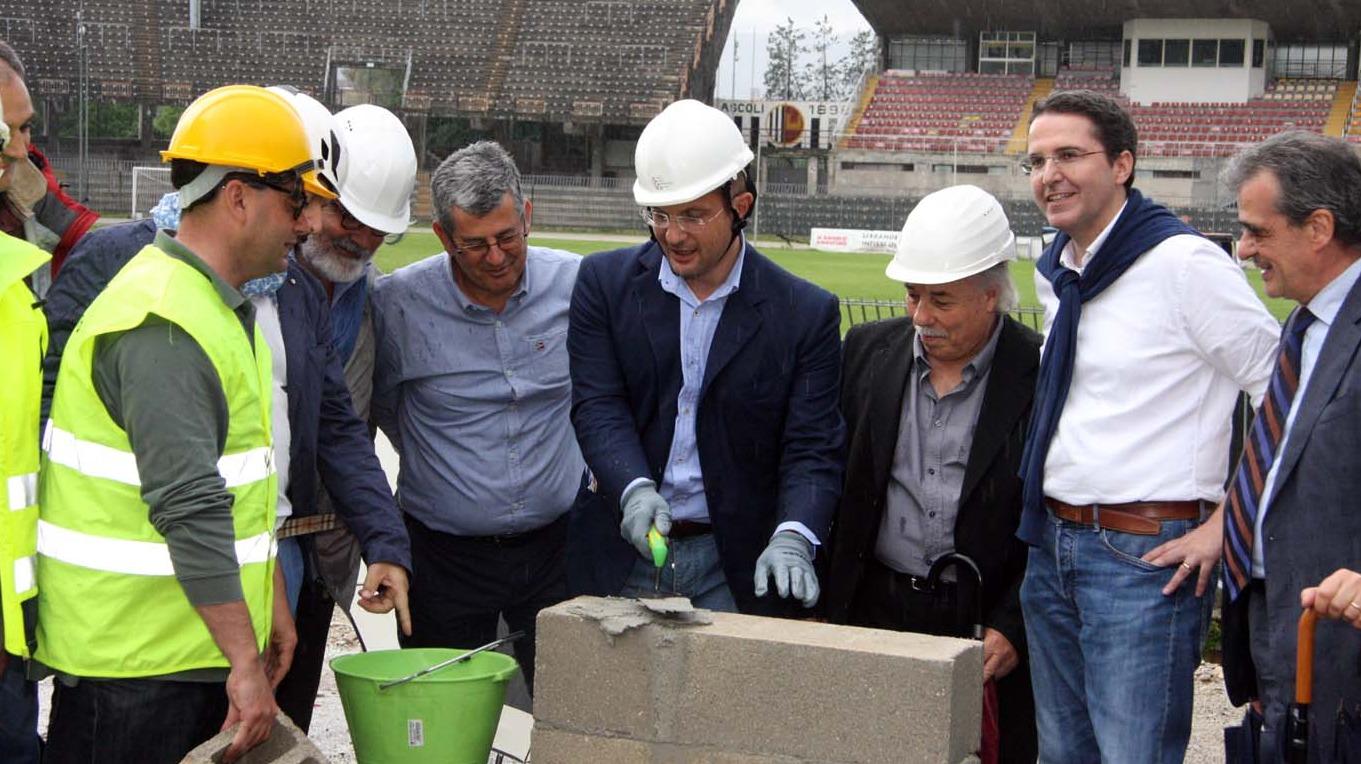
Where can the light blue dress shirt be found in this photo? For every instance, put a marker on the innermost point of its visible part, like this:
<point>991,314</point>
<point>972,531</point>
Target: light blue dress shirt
<point>1324,306</point>
<point>477,402</point>
<point>682,481</point>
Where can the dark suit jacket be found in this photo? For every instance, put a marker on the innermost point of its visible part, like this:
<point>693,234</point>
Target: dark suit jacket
<point>769,434</point>
<point>1312,528</point>
<point>325,432</point>
<point>878,359</point>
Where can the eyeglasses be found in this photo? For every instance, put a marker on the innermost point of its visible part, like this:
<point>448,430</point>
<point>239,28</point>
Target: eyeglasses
<point>660,221</point>
<point>1062,158</point>
<point>506,242</point>
<point>294,191</point>
<point>351,223</point>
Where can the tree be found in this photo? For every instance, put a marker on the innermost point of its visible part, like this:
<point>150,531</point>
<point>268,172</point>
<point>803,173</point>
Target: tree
<point>163,124</point>
<point>783,78</point>
<point>824,74</point>
<point>863,57</point>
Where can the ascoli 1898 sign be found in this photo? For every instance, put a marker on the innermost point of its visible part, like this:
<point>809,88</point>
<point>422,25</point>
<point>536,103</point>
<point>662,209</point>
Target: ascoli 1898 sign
<point>788,124</point>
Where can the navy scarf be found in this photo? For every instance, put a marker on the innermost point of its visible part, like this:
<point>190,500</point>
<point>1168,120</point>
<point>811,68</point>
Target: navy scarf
<point>1142,225</point>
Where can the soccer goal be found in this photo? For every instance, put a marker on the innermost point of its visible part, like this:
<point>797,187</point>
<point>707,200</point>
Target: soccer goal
<point>149,184</point>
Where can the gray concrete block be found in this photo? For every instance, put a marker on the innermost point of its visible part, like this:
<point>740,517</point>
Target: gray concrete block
<point>592,676</point>
<point>761,687</point>
<point>554,746</point>
<point>286,745</point>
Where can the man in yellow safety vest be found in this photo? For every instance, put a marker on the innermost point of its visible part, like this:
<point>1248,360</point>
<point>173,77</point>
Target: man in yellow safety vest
<point>163,610</point>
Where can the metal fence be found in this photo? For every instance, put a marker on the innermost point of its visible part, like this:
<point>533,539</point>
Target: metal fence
<point>855,310</point>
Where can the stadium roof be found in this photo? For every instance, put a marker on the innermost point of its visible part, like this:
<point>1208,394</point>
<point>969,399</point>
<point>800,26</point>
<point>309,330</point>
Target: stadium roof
<point>1317,20</point>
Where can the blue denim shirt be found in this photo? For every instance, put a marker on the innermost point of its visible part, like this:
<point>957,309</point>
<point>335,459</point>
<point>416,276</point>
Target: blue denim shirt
<point>476,402</point>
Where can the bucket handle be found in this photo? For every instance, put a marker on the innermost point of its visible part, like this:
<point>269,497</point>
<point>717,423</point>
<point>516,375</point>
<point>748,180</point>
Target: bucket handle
<point>456,659</point>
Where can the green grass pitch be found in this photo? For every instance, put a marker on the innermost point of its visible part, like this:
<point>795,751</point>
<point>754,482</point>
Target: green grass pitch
<point>846,275</point>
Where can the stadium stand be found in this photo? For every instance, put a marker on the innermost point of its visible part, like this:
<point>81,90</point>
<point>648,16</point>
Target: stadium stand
<point>976,113</point>
<point>617,61</point>
<point>967,112</point>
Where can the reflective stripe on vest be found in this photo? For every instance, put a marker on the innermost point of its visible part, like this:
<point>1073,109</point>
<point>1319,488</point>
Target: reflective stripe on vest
<point>23,491</point>
<point>133,558</point>
<point>24,578</point>
<point>100,461</point>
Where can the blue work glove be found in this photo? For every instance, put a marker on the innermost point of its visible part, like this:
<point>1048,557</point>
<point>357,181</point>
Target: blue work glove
<point>789,558</point>
<point>644,508</point>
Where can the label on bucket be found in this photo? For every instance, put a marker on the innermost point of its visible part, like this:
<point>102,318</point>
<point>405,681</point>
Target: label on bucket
<point>415,733</point>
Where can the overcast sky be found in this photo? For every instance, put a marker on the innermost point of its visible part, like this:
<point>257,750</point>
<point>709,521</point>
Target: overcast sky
<point>760,17</point>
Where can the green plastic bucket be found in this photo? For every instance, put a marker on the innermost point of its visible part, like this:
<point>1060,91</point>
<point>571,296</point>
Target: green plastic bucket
<point>449,716</point>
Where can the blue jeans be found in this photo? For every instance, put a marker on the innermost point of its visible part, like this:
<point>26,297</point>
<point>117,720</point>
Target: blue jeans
<point>18,715</point>
<point>290,560</point>
<point>1111,658</point>
<point>692,570</point>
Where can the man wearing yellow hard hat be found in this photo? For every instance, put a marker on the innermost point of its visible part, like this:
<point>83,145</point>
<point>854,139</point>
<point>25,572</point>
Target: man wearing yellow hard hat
<point>163,612</point>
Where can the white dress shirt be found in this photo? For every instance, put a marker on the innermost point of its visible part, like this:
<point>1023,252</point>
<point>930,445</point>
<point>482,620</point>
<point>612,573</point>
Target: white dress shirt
<point>1161,356</point>
<point>267,316</point>
<point>1324,306</point>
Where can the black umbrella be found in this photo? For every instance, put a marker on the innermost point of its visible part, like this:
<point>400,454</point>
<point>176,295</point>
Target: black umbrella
<point>969,626</point>
<point>1297,716</point>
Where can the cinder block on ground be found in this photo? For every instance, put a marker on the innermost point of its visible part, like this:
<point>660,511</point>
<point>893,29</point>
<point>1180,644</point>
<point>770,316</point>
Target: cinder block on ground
<point>286,745</point>
<point>747,689</point>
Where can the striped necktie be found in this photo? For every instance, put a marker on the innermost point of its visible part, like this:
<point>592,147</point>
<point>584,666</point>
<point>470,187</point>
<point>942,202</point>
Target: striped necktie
<point>1259,453</point>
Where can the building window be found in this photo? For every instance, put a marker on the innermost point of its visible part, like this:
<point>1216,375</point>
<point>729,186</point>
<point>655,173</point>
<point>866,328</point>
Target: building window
<point>1176,52</point>
<point>1125,57</point>
<point>1231,53</point>
<point>940,54</point>
<point>1150,53</point>
<point>1258,53</point>
<point>1204,52</point>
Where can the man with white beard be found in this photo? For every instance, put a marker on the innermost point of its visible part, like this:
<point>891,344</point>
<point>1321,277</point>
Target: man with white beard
<point>376,181</point>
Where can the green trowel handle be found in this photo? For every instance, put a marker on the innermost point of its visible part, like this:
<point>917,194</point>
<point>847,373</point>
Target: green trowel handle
<point>657,543</point>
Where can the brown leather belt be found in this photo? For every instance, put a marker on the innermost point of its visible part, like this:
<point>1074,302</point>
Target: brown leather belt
<point>1139,517</point>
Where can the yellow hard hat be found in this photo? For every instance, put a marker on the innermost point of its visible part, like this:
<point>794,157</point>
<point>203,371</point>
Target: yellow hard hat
<point>244,126</point>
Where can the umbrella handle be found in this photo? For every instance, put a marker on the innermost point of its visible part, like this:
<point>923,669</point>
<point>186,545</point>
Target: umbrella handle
<point>1304,657</point>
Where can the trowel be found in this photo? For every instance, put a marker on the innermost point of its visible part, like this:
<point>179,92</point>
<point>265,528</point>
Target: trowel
<point>656,542</point>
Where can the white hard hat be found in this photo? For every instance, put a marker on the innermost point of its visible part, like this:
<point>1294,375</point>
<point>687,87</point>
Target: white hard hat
<point>380,175</point>
<point>952,234</point>
<point>328,146</point>
<point>685,152</point>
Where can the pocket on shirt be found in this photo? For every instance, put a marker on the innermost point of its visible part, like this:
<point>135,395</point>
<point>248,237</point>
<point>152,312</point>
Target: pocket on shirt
<point>547,355</point>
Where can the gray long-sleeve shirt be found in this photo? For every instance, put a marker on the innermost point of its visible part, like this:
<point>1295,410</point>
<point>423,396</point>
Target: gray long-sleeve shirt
<point>935,434</point>
<point>476,401</point>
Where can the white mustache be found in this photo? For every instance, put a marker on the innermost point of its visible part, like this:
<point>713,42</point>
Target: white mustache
<point>926,331</point>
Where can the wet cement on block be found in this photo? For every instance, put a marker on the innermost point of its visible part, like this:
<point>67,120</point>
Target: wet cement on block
<point>617,615</point>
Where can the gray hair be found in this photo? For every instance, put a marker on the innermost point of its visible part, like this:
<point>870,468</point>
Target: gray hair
<point>998,277</point>
<point>475,179</point>
<point>10,58</point>
<point>1315,172</point>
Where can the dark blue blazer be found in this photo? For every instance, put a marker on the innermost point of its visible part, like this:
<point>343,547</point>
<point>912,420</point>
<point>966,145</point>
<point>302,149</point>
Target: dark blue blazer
<point>326,434</point>
<point>769,431</point>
